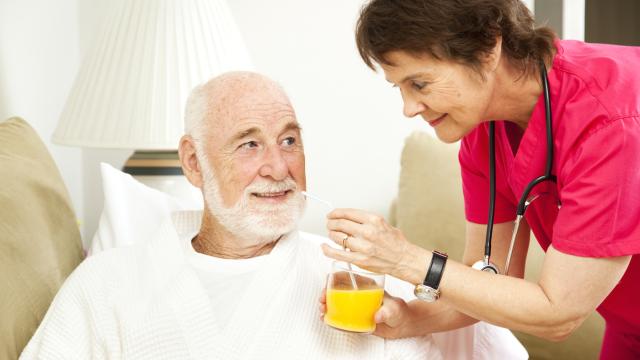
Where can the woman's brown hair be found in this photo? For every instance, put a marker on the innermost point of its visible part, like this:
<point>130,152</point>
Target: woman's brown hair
<point>464,31</point>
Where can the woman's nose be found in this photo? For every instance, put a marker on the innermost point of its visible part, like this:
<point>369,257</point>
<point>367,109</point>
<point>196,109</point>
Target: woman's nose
<point>412,107</point>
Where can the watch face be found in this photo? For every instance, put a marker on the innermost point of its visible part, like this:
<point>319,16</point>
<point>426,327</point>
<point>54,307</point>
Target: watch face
<point>426,293</point>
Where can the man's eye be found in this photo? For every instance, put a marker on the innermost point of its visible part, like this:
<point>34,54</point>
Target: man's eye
<point>418,85</point>
<point>289,141</point>
<point>249,145</point>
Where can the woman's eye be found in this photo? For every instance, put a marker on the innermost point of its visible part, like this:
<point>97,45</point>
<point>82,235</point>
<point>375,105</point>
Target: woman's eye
<point>289,141</point>
<point>418,85</point>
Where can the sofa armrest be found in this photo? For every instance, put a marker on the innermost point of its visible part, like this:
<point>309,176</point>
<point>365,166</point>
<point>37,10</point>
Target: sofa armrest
<point>393,216</point>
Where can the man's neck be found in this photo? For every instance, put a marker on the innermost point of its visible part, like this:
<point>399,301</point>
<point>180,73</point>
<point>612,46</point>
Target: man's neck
<point>214,240</point>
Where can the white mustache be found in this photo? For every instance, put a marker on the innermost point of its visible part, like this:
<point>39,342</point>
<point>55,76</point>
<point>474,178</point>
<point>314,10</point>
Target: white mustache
<point>265,186</point>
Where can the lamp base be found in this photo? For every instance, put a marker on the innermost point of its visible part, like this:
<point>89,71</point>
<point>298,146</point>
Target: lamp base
<point>162,171</point>
<point>153,163</point>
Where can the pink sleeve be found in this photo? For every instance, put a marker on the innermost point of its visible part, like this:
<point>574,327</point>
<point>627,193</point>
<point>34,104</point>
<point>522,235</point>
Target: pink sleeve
<point>474,166</point>
<point>600,193</point>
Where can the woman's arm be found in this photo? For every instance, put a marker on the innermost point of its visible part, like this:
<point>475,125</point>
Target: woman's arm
<point>569,289</point>
<point>397,319</point>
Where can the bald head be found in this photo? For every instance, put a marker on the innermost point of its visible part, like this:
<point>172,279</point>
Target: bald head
<point>243,149</point>
<point>226,95</point>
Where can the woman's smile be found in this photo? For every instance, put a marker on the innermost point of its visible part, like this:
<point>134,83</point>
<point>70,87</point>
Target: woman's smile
<point>437,120</point>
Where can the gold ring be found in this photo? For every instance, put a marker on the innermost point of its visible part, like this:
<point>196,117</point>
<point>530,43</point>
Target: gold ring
<point>344,241</point>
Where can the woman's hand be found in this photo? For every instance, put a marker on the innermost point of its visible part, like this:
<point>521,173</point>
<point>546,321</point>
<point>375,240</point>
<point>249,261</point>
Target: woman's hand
<point>375,245</point>
<point>391,319</point>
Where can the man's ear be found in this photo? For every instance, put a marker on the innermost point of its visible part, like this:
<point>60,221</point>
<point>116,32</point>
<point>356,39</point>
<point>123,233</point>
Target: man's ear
<point>189,161</point>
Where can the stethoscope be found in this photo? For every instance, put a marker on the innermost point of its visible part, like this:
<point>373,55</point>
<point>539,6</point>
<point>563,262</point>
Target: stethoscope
<point>525,201</point>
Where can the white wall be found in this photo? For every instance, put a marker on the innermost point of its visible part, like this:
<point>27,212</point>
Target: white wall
<point>41,48</point>
<point>39,57</point>
<point>573,19</point>
<point>91,14</point>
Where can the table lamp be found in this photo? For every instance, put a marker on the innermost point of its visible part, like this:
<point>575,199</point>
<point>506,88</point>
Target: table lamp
<point>133,83</point>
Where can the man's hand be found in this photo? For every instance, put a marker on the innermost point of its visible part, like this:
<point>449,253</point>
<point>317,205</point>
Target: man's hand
<point>392,319</point>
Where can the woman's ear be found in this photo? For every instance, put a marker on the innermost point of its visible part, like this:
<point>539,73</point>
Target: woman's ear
<point>492,59</point>
<point>189,161</point>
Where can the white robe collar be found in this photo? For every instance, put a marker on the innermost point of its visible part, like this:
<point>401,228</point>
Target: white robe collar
<point>260,313</point>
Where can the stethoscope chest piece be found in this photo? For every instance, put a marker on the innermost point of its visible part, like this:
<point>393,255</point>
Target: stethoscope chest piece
<point>483,265</point>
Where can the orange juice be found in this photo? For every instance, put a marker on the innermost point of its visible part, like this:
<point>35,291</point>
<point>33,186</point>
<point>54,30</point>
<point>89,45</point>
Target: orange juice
<point>353,310</point>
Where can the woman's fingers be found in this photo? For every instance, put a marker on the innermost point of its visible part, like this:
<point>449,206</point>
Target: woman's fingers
<point>345,226</point>
<point>352,242</point>
<point>357,223</point>
<point>375,245</point>
<point>355,215</point>
<point>341,255</point>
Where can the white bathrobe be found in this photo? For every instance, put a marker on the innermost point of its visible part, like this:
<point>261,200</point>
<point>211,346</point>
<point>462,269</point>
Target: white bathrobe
<point>146,302</point>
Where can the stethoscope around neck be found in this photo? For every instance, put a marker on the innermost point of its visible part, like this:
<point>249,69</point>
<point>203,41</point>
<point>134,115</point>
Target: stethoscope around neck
<point>485,264</point>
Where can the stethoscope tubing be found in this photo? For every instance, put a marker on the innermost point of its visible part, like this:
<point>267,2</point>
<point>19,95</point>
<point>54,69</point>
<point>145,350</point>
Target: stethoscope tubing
<point>492,191</point>
<point>523,202</point>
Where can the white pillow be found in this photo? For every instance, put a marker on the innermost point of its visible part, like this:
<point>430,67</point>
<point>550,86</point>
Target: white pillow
<point>132,211</point>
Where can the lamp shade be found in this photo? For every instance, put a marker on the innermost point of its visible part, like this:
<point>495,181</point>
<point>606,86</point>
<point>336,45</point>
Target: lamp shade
<point>132,86</point>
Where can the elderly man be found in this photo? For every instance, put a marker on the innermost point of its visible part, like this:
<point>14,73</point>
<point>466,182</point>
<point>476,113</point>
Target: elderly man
<point>236,281</point>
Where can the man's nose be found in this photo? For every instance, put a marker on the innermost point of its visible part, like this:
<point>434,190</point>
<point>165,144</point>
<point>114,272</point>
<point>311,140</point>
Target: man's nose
<point>412,107</point>
<point>275,165</point>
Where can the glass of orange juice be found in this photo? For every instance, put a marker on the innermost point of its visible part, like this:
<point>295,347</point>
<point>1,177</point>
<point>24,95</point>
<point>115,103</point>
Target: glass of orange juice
<point>353,297</point>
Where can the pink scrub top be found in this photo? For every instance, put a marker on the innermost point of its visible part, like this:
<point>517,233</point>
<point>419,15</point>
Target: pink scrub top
<point>595,102</point>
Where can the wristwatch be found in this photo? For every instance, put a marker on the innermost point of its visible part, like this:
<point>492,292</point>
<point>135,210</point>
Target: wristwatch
<point>428,291</point>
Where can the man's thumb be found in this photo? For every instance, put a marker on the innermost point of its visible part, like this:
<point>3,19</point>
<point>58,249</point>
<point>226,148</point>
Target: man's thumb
<point>389,313</point>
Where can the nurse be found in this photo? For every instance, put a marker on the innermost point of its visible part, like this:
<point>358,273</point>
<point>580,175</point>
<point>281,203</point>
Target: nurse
<point>459,64</point>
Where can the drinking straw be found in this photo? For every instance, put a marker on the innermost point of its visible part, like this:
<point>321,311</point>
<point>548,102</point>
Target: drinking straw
<point>328,204</point>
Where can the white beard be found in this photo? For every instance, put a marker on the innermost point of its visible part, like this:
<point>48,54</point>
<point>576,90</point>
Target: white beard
<point>247,219</point>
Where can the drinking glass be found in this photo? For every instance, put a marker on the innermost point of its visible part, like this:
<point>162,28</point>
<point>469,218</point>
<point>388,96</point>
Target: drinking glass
<point>353,297</point>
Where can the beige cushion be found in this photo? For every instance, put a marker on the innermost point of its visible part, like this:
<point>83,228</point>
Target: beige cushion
<point>429,210</point>
<point>39,238</point>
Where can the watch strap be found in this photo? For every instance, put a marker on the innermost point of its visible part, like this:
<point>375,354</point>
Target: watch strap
<point>436,268</point>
